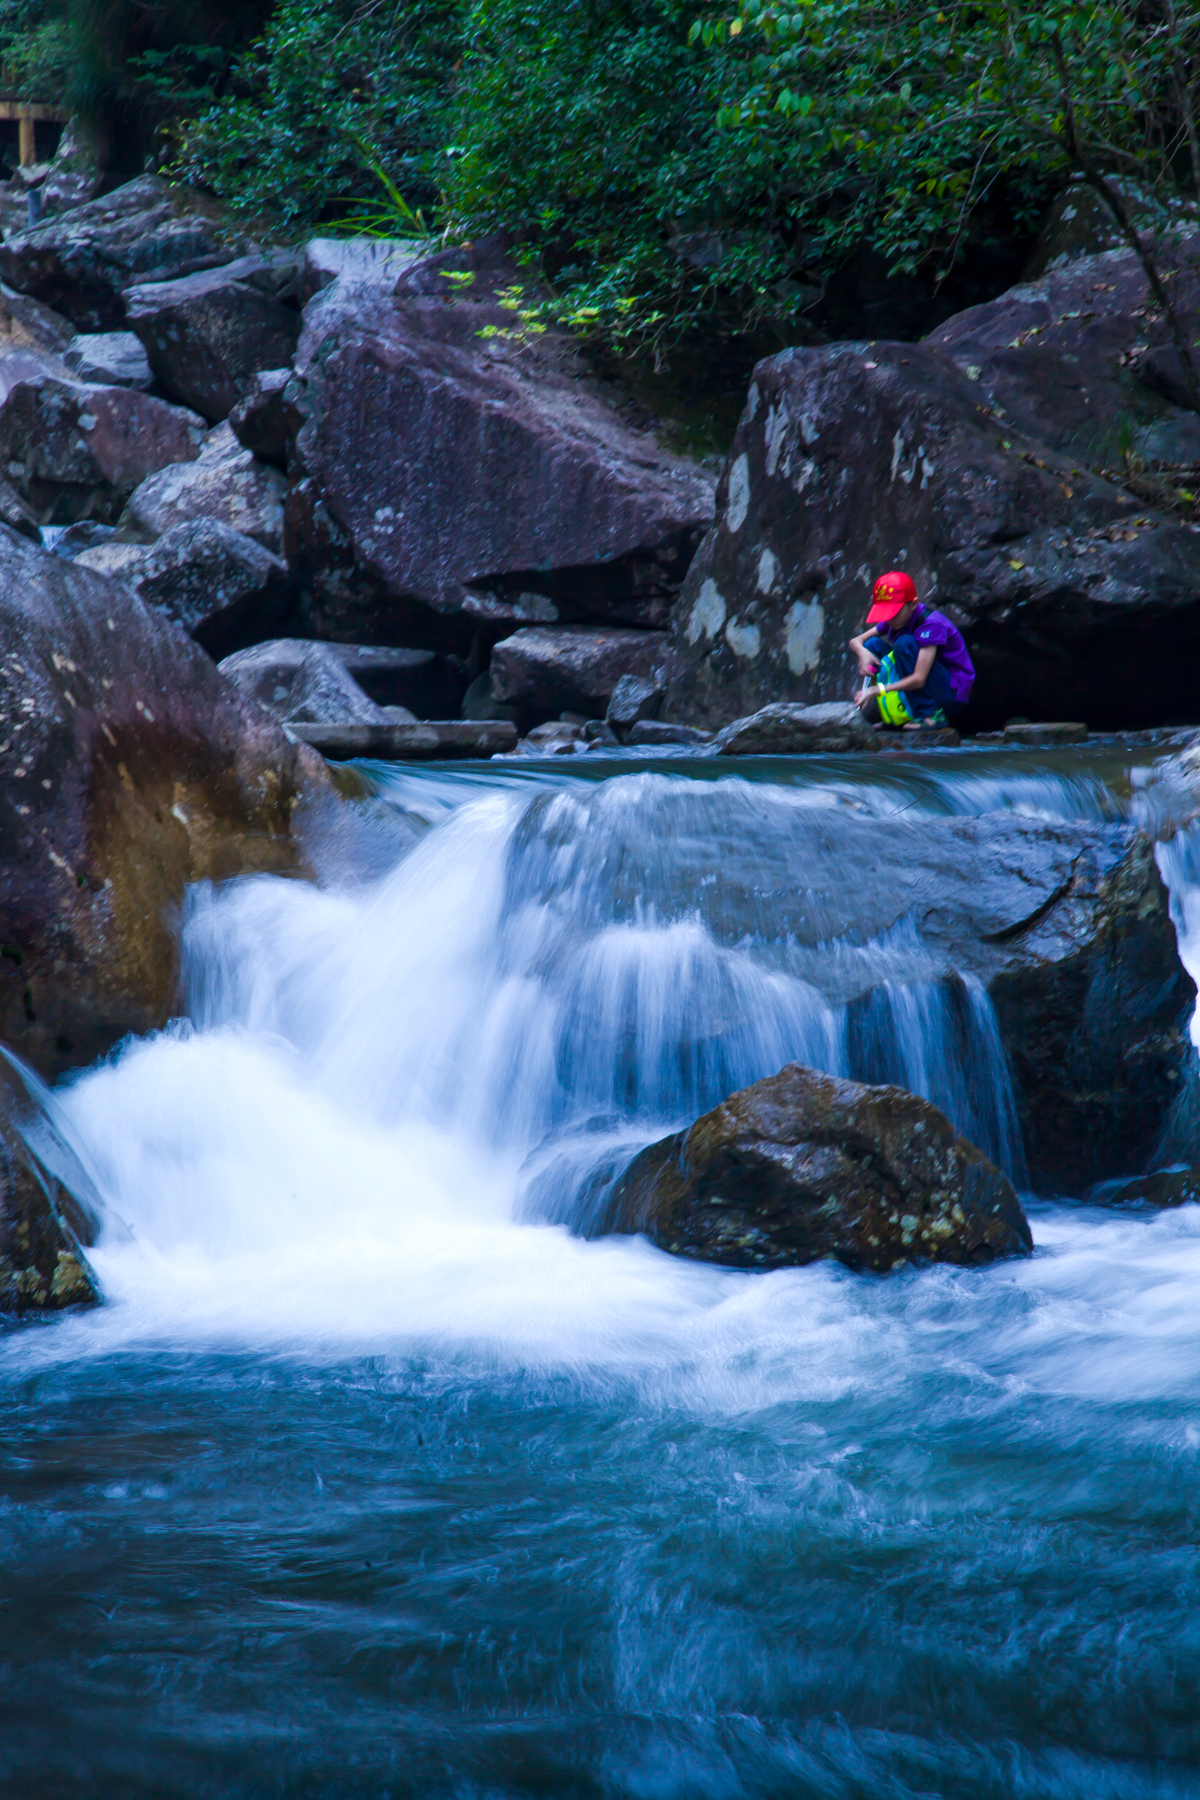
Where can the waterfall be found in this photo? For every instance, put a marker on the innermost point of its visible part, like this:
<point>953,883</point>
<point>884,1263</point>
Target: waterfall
<point>388,1075</point>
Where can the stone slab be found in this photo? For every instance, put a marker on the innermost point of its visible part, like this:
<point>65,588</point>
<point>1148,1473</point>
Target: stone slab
<point>430,740</point>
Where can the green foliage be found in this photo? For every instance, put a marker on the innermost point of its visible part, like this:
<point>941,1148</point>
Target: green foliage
<point>663,169</point>
<point>340,110</point>
<point>35,49</point>
<point>905,118</point>
<point>97,55</point>
<point>589,129</point>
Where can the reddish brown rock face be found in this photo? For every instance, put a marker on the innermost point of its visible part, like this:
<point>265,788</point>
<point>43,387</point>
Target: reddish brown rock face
<point>78,450</point>
<point>207,335</point>
<point>128,768</point>
<point>803,1166</point>
<point>449,455</point>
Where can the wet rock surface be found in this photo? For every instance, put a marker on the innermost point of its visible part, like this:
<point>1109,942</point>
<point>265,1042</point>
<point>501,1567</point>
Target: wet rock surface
<point>44,1224</point>
<point>128,768</point>
<point>784,730</point>
<point>1150,1193</point>
<point>1064,926</point>
<point>803,1166</point>
<point>81,262</point>
<point>208,335</point>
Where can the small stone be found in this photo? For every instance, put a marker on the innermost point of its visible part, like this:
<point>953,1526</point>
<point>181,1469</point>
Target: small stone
<point>634,698</point>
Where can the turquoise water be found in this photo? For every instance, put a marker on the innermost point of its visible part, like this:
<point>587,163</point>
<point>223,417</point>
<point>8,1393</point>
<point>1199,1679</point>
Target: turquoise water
<point>374,1478</point>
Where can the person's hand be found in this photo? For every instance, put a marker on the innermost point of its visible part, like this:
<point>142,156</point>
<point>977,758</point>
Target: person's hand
<point>867,695</point>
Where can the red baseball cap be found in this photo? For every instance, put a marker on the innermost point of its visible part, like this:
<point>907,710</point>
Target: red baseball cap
<point>891,594</point>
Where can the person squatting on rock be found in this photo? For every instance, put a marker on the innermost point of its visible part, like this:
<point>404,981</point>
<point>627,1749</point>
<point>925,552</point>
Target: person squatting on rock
<point>916,666</point>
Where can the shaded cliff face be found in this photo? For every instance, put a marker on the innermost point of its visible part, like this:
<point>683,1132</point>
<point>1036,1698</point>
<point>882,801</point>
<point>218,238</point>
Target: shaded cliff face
<point>128,768</point>
<point>964,460</point>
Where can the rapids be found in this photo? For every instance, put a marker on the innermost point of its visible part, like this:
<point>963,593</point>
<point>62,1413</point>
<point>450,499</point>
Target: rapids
<point>375,1476</point>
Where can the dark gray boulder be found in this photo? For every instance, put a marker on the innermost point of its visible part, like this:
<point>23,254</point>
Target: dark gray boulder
<point>224,483</point>
<point>443,457</point>
<point>74,449</point>
<point>480,703</point>
<point>206,336</point>
<point>16,512</point>
<point>128,768</point>
<point>783,730</point>
<point>414,740</point>
<point>302,682</point>
<point>82,261</point>
<point>1061,358</point>
<point>804,1166</point>
<point>222,587</point>
<point>661,731</point>
<point>114,358</point>
<point>1154,1192</point>
<point>266,418</point>
<point>569,668</point>
<point>26,324</point>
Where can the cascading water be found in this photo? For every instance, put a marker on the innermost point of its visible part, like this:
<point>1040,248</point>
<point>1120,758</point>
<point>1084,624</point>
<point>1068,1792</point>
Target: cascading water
<point>376,1476</point>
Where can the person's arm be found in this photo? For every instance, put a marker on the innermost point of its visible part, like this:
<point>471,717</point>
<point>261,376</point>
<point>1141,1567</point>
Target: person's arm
<point>867,664</point>
<point>918,678</point>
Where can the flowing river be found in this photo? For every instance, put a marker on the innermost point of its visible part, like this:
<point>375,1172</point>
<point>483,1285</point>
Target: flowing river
<point>377,1477</point>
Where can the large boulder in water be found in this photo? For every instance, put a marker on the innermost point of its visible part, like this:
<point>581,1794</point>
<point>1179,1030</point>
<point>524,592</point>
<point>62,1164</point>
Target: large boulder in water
<point>803,1166</point>
<point>448,453</point>
<point>970,460</point>
<point>128,768</point>
<point>81,261</point>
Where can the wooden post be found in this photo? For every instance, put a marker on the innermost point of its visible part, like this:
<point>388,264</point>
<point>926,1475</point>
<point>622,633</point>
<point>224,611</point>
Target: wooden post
<point>26,147</point>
